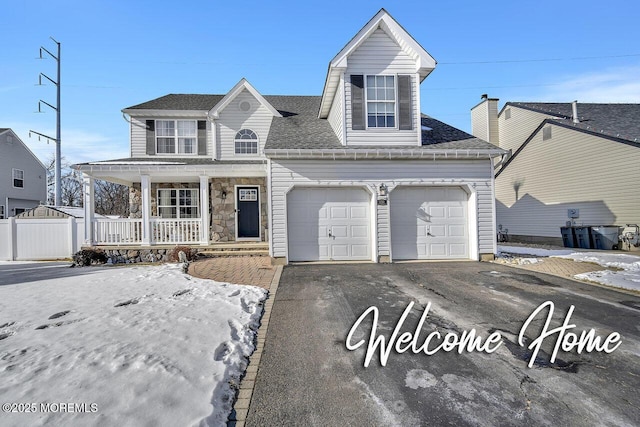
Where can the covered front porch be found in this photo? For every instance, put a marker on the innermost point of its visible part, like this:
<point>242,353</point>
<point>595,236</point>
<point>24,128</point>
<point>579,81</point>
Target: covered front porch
<point>173,203</point>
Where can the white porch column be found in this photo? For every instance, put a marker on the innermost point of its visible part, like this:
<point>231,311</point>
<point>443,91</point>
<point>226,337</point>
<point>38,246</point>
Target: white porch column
<point>204,210</point>
<point>145,187</point>
<point>89,208</point>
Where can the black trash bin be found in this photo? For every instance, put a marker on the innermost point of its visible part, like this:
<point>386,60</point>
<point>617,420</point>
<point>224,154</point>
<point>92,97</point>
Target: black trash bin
<point>606,237</point>
<point>583,237</point>
<point>568,237</point>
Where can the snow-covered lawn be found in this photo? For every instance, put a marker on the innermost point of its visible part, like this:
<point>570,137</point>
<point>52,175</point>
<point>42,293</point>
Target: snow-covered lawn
<point>628,277</point>
<point>146,345</point>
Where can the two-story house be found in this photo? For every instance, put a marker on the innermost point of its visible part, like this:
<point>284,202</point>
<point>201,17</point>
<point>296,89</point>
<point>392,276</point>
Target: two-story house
<point>23,178</point>
<point>570,162</point>
<point>355,174</point>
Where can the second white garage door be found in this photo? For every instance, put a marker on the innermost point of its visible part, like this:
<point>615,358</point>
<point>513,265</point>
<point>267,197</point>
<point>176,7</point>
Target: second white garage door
<point>329,224</point>
<point>429,223</point>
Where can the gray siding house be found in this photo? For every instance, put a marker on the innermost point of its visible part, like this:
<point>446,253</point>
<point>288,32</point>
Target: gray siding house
<point>575,162</point>
<point>357,173</point>
<point>23,178</point>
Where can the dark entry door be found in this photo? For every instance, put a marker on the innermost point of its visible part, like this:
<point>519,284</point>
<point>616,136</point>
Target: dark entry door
<point>248,212</point>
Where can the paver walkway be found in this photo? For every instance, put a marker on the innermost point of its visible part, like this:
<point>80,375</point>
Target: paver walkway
<point>561,267</point>
<point>241,270</point>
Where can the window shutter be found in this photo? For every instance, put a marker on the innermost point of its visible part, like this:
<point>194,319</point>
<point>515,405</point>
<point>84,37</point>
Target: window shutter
<point>202,137</point>
<point>151,137</point>
<point>357,102</point>
<point>405,119</point>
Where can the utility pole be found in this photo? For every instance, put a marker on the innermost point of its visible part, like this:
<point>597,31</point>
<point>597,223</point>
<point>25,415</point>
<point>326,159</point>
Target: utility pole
<point>58,172</point>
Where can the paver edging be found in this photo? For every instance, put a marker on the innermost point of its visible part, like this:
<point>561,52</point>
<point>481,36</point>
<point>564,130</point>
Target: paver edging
<point>247,384</point>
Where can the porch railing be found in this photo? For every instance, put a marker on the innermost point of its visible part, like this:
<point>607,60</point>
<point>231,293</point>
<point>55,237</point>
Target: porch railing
<point>175,230</point>
<point>128,231</point>
<point>121,231</point>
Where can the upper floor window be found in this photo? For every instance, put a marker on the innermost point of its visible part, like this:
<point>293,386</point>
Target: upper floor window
<point>381,101</point>
<point>176,136</point>
<point>18,178</point>
<point>246,142</point>
<point>2,212</point>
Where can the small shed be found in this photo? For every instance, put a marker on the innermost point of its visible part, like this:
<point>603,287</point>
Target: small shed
<point>54,212</point>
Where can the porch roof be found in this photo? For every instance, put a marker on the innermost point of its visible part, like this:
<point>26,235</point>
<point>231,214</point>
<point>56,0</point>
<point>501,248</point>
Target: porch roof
<point>128,170</point>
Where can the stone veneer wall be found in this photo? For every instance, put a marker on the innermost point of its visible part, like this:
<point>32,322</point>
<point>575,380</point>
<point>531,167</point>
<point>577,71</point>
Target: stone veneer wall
<point>222,215</point>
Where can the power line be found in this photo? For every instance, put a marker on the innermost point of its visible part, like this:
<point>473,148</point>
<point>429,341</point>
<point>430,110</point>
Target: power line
<point>512,61</point>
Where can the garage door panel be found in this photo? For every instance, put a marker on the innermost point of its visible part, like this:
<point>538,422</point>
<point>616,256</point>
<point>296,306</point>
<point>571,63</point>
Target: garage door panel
<point>429,223</point>
<point>343,213</point>
<point>360,231</point>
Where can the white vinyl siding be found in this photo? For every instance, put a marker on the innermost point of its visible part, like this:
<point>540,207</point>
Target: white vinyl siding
<point>336,114</point>
<point>571,170</point>
<point>138,136</point>
<point>233,118</point>
<point>484,121</point>
<point>474,173</point>
<point>380,55</point>
<point>515,131</point>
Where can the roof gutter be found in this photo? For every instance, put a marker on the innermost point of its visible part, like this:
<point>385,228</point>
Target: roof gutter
<point>383,153</point>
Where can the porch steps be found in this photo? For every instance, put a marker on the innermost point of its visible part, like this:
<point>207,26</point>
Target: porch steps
<point>235,249</point>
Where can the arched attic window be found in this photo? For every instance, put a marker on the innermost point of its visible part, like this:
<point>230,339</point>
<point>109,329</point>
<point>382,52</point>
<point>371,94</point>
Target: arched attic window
<point>246,142</point>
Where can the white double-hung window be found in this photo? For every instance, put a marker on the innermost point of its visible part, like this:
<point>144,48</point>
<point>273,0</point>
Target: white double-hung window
<point>178,203</point>
<point>176,136</point>
<point>18,178</point>
<point>381,101</point>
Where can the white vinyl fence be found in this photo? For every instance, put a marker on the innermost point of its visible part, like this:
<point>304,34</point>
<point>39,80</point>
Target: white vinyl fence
<point>40,239</point>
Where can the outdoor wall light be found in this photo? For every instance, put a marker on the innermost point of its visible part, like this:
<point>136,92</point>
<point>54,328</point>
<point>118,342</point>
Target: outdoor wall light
<point>383,191</point>
<point>223,196</point>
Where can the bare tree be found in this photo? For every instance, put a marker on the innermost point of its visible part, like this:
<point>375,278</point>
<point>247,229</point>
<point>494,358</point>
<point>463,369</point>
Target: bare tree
<point>112,199</point>
<point>70,183</point>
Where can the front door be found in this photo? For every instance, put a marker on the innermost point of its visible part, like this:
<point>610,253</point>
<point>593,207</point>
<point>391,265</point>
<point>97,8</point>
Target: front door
<point>248,212</point>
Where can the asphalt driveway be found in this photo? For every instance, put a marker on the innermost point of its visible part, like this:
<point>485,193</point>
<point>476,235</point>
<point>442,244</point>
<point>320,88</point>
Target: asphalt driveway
<point>308,377</point>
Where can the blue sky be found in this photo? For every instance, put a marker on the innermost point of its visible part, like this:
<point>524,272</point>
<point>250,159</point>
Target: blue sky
<point>117,54</point>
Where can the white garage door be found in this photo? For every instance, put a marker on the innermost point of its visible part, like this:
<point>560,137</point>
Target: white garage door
<point>429,223</point>
<point>329,224</point>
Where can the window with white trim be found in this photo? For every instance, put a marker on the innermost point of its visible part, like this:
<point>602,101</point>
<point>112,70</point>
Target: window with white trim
<point>246,142</point>
<point>2,212</point>
<point>18,178</point>
<point>176,136</point>
<point>178,203</point>
<point>381,101</point>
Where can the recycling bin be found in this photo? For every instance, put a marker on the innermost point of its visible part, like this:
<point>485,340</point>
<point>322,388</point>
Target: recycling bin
<point>568,237</point>
<point>606,237</point>
<point>583,237</point>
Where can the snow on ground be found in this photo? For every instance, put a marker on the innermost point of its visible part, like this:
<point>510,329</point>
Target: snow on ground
<point>146,345</point>
<point>627,278</point>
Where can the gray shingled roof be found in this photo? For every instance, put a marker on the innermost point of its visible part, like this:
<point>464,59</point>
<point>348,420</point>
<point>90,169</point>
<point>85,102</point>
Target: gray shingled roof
<point>300,128</point>
<point>175,101</point>
<point>618,121</point>
<point>3,129</point>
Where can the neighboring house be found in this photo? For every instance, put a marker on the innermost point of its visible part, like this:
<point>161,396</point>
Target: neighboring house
<point>355,174</point>
<point>23,178</point>
<point>574,162</point>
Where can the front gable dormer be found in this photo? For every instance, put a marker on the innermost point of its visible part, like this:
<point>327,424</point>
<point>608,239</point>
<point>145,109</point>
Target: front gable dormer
<point>372,94</point>
<point>241,123</point>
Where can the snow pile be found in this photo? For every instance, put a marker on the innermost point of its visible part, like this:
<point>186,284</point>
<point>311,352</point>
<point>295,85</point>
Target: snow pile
<point>525,250</point>
<point>146,345</point>
<point>628,276</point>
